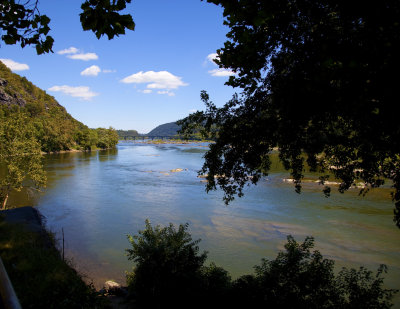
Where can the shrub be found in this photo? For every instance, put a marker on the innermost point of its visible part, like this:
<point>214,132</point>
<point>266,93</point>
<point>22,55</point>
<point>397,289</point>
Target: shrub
<point>299,278</point>
<point>167,266</point>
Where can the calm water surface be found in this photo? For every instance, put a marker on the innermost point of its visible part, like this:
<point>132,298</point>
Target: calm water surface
<point>100,197</point>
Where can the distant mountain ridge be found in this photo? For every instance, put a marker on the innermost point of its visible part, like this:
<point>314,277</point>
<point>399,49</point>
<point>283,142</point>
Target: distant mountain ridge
<point>166,129</point>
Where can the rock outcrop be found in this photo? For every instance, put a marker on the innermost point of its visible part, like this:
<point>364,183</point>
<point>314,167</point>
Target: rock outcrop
<point>7,99</point>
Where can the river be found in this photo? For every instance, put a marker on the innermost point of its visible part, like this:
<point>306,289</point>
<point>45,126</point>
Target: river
<point>98,198</point>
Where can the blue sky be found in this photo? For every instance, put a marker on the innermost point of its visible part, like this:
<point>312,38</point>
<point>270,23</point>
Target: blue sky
<point>145,78</point>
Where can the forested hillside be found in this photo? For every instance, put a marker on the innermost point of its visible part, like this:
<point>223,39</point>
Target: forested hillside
<point>166,129</point>
<point>53,127</point>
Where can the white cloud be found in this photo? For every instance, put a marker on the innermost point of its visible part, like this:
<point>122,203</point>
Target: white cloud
<point>145,91</point>
<point>71,50</point>
<point>75,53</point>
<point>191,111</point>
<point>167,92</point>
<point>93,70</point>
<point>84,57</point>
<point>15,66</point>
<point>221,72</point>
<point>155,80</point>
<point>109,71</point>
<point>82,92</point>
<point>211,57</point>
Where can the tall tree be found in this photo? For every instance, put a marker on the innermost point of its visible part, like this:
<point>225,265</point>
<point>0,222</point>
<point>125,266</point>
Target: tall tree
<point>316,77</point>
<point>23,23</point>
<point>20,155</point>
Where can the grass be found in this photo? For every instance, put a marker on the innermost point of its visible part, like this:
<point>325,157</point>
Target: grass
<point>40,277</point>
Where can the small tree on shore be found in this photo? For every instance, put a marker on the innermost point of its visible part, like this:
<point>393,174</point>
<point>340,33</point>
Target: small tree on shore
<point>20,156</point>
<point>168,266</point>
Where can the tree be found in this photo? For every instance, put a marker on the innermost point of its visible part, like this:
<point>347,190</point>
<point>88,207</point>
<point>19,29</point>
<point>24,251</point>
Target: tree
<point>23,23</point>
<point>167,268</point>
<point>21,156</point>
<point>107,138</point>
<point>319,81</point>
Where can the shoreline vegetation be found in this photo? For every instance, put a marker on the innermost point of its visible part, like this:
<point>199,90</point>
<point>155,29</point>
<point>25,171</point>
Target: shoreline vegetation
<point>299,276</point>
<point>41,277</point>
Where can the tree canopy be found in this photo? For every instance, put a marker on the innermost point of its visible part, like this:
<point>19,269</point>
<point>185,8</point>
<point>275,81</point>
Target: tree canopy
<point>319,81</point>
<point>23,24</point>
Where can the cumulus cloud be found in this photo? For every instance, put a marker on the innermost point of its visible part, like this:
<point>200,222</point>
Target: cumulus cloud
<point>71,50</point>
<point>221,72</point>
<point>167,92</point>
<point>75,53</point>
<point>82,92</point>
<point>93,70</point>
<point>155,80</point>
<point>15,66</point>
<point>84,57</point>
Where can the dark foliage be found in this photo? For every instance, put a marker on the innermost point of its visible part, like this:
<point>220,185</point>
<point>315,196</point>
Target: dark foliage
<point>102,17</point>
<point>299,278</point>
<point>167,267</point>
<point>318,78</point>
<point>21,22</point>
<point>169,272</point>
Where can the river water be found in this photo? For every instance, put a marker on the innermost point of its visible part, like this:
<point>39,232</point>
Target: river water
<point>98,198</point>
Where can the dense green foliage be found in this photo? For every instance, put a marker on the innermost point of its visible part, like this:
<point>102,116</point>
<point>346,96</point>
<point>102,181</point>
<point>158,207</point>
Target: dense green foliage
<point>22,23</point>
<point>169,271</point>
<point>53,127</point>
<point>318,78</point>
<point>20,155</point>
<point>39,276</point>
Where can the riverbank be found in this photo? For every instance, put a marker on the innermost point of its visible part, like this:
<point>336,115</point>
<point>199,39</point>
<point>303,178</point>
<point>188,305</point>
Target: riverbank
<point>39,274</point>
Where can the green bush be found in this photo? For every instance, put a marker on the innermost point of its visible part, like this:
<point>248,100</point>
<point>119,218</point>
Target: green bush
<point>299,278</point>
<point>167,266</point>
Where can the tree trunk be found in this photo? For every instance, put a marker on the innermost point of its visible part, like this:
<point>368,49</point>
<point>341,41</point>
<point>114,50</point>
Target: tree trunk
<point>4,202</point>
